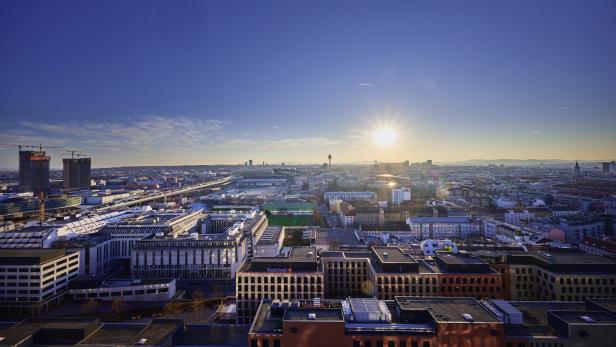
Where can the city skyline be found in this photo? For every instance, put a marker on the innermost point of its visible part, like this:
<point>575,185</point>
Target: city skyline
<point>213,83</point>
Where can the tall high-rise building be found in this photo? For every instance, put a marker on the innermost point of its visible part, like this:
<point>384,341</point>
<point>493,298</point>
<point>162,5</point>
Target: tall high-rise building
<point>609,167</point>
<point>399,195</point>
<point>34,171</point>
<point>77,172</point>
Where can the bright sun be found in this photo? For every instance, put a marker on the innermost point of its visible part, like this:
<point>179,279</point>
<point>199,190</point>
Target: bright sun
<point>384,136</point>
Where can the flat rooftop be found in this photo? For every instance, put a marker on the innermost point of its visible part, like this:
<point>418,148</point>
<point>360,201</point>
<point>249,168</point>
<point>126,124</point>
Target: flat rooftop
<point>320,314</point>
<point>585,317</point>
<point>340,237</point>
<point>447,310</point>
<point>116,334</point>
<point>119,283</point>
<point>270,235</point>
<point>574,258</point>
<point>534,313</point>
<point>459,259</point>
<point>289,206</point>
<point>605,304</point>
<point>29,256</point>
<point>298,259</point>
<point>392,255</point>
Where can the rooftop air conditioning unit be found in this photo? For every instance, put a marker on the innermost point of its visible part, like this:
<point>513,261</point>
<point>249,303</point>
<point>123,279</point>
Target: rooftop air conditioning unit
<point>468,317</point>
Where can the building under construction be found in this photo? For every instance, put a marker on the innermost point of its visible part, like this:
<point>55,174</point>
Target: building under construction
<point>34,171</point>
<point>77,172</point>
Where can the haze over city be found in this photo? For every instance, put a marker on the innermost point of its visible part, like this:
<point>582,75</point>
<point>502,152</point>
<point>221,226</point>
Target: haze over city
<point>200,82</point>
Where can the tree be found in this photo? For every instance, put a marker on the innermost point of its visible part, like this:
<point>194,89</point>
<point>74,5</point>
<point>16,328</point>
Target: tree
<point>90,306</point>
<point>172,308</point>
<point>117,305</point>
<point>217,290</point>
<point>197,302</point>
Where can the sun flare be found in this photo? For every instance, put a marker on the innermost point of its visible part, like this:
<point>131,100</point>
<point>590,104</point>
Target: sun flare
<point>385,136</point>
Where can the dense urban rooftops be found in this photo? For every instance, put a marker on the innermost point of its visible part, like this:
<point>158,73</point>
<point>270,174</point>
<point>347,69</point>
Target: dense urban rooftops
<point>444,310</point>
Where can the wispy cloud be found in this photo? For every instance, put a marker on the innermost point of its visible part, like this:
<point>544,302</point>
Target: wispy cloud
<point>535,132</point>
<point>153,134</point>
<point>365,84</point>
<point>141,133</point>
<point>564,108</point>
<point>358,134</point>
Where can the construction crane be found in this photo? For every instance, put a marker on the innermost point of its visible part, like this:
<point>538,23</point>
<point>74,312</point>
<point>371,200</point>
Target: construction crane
<point>72,152</point>
<point>40,146</point>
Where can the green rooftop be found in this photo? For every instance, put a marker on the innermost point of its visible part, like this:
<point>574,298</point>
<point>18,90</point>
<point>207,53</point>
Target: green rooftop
<point>288,206</point>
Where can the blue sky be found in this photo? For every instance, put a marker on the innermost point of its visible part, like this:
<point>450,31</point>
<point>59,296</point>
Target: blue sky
<point>189,82</point>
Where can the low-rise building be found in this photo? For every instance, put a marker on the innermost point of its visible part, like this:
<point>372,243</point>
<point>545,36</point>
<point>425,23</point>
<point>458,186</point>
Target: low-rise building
<point>350,196</point>
<point>293,276</point>
<point>400,195</point>
<point>347,214</point>
<point>430,247</point>
<point>194,255</point>
<point>363,322</point>
<point>442,227</point>
<point>126,290</point>
<point>576,228</point>
<point>557,276</point>
<point>32,278</point>
<point>600,247</point>
<point>270,242</point>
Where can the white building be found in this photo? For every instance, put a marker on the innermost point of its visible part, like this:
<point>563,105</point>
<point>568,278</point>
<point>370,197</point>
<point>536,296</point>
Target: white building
<point>127,290</point>
<point>270,242</point>
<point>103,199</point>
<point>193,255</point>
<point>31,278</point>
<point>430,247</point>
<point>506,202</point>
<point>517,217</point>
<point>95,252</point>
<point>399,195</point>
<point>127,232</point>
<point>94,223</point>
<point>347,214</point>
<point>350,196</point>
<point>490,226</point>
<point>442,227</point>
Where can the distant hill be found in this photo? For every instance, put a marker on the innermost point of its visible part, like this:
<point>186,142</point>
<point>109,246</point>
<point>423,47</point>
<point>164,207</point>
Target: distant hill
<point>521,162</point>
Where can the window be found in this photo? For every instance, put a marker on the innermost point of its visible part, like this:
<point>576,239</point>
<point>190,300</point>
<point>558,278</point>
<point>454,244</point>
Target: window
<point>426,344</point>
<point>356,343</point>
<point>391,344</point>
